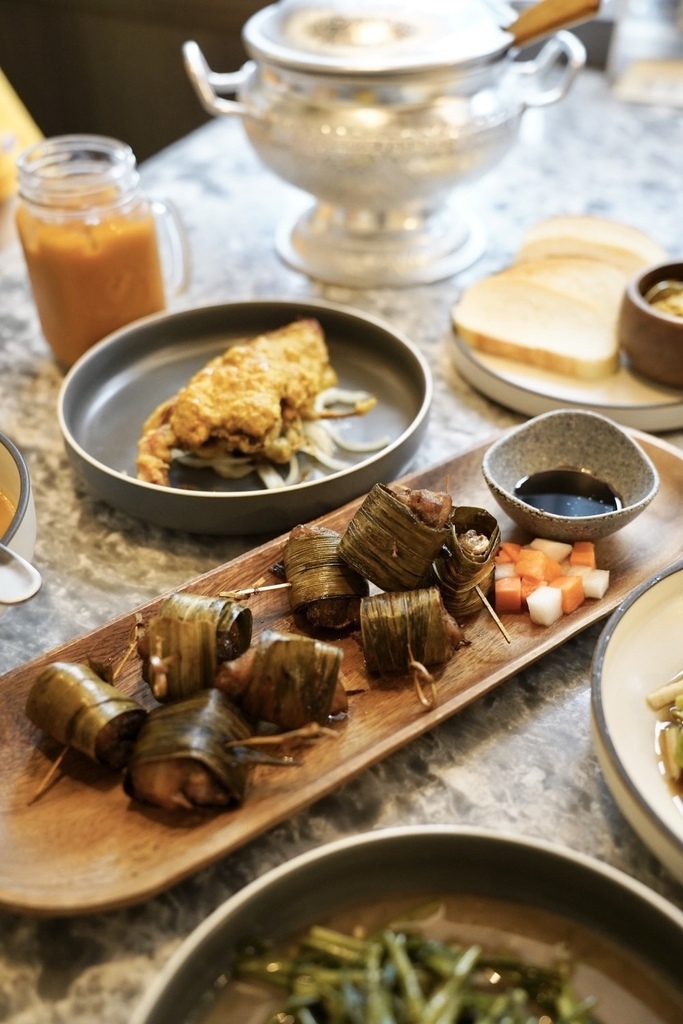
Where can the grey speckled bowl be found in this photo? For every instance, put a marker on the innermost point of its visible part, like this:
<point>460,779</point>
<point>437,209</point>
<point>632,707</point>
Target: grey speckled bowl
<point>410,864</point>
<point>573,439</point>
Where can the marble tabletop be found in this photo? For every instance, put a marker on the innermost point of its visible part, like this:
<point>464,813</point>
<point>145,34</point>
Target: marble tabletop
<point>520,759</point>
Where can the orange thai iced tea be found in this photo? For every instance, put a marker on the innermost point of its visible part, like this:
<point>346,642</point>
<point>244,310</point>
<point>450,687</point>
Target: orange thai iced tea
<point>89,239</point>
<point>90,278</point>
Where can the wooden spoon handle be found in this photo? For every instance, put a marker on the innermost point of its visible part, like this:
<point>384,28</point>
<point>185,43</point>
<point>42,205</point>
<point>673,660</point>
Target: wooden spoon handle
<point>549,15</point>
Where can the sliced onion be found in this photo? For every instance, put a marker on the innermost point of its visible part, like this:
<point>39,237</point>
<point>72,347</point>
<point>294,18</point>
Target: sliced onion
<point>359,401</point>
<point>319,436</point>
<point>324,459</point>
<point>231,467</point>
<point>356,446</point>
<point>269,476</point>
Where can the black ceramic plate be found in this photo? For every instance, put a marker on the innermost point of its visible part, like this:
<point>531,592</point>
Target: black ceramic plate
<point>108,394</point>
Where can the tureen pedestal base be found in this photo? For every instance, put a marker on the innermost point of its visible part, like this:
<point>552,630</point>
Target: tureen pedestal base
<point>363,249</point>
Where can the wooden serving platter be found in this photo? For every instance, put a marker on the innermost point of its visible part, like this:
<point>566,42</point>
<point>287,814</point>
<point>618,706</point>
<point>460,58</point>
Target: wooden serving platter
<point>85,846</point>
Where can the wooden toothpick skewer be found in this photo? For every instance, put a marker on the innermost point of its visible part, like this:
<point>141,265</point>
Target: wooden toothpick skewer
<point>492,613</point>
<point>311,731</point>
<point>248,591</point>
<point>49,775</point>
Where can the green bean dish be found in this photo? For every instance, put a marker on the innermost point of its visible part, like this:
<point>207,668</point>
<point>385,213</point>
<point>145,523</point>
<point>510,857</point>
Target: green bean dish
<point>395,977</point>
<point>439,959</point>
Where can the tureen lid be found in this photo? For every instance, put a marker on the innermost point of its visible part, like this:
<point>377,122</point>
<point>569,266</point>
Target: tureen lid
<point>378,36</point>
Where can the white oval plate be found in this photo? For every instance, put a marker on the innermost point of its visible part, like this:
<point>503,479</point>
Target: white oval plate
<point>624,397</point>
<point>108,394</point>
<point>638,650</point>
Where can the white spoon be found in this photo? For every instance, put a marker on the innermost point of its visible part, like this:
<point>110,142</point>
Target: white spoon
<point>19,580</point>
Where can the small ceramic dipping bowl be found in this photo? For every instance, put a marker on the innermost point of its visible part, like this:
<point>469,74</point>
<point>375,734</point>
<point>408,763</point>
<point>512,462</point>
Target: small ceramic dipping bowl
<point>574,440</point>
<point>650,334</point>
<point>19,533</point>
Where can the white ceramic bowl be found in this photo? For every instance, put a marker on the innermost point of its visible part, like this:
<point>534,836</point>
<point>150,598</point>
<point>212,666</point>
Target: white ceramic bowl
<point>15,483</point>
<point>638,651</point>
<point>579,440</point>
<point>411,863</point>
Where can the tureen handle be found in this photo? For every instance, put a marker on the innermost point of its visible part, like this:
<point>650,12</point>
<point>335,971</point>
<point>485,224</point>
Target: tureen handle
<point>208,83</point>
<point>563,46</point>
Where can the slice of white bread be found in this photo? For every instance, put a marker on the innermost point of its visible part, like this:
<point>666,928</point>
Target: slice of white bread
<point>598,238</point>
<point>560,314</point>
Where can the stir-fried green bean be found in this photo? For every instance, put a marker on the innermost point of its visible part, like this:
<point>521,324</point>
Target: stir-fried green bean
<point>396,976</point>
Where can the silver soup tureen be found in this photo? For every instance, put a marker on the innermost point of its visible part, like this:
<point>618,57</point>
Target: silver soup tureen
<point>378,109</point>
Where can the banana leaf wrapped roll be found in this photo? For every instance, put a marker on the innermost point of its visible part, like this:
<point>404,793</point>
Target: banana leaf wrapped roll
<point>185,640</point>
<point>179,656</point>
<point>233,621</point>
<point>324,590</point>
<point>286,680</point>
<point>468,561</point>
<point>180,759</point>
<point>400,627</point>
<point>395,535</point>
<point>71,703</point>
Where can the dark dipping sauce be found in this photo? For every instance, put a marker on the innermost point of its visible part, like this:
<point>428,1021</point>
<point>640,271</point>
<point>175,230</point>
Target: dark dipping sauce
<point>568,492</point>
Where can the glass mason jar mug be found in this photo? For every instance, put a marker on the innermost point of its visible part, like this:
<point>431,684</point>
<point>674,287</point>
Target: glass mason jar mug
<point>89,236</point>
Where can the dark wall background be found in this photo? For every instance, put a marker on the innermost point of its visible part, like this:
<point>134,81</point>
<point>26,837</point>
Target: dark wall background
<point>114,67</point>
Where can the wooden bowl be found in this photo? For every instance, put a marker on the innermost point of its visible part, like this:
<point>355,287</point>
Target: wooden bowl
<point>652,339</point>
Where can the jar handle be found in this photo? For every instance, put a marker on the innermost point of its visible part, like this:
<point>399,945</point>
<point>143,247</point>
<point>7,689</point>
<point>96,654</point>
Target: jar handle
<point>208,83</point>
<point>563,46</point>
<point>175,237</point>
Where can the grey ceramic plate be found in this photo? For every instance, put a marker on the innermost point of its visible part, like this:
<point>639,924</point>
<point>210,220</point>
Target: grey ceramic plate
<point>108,394</point>
<point>412,863</point>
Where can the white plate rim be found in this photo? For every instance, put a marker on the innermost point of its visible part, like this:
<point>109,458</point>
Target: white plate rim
<point>666,414</point>
<point>657,822</point>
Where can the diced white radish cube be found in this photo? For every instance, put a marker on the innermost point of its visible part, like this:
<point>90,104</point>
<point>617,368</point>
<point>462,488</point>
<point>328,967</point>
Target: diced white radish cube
<point>579,570</point>
<point>504,570</point>
<point>595,584</point>
<point>554,549</point>
<point>545,605</point>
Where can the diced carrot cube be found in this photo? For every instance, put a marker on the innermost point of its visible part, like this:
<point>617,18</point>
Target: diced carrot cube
<point>531,563</point>
<point>583,553</point>
<point>553,569</point>
<point>572,591</point>
<point>508,595</point>
<point>529,584</point>
<point>503,558</point>
<point>511,549</point>
<point>537,564</point>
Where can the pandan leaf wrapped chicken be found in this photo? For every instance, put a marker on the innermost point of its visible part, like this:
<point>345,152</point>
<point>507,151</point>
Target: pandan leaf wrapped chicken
<point>325,591</point>
<point>404,628</point>
<point>183,644</point>
<point>183,758</point>
<point>74,706</point>
<point>395,535</point>
<point>286,680</point>
<point>467,564</point>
